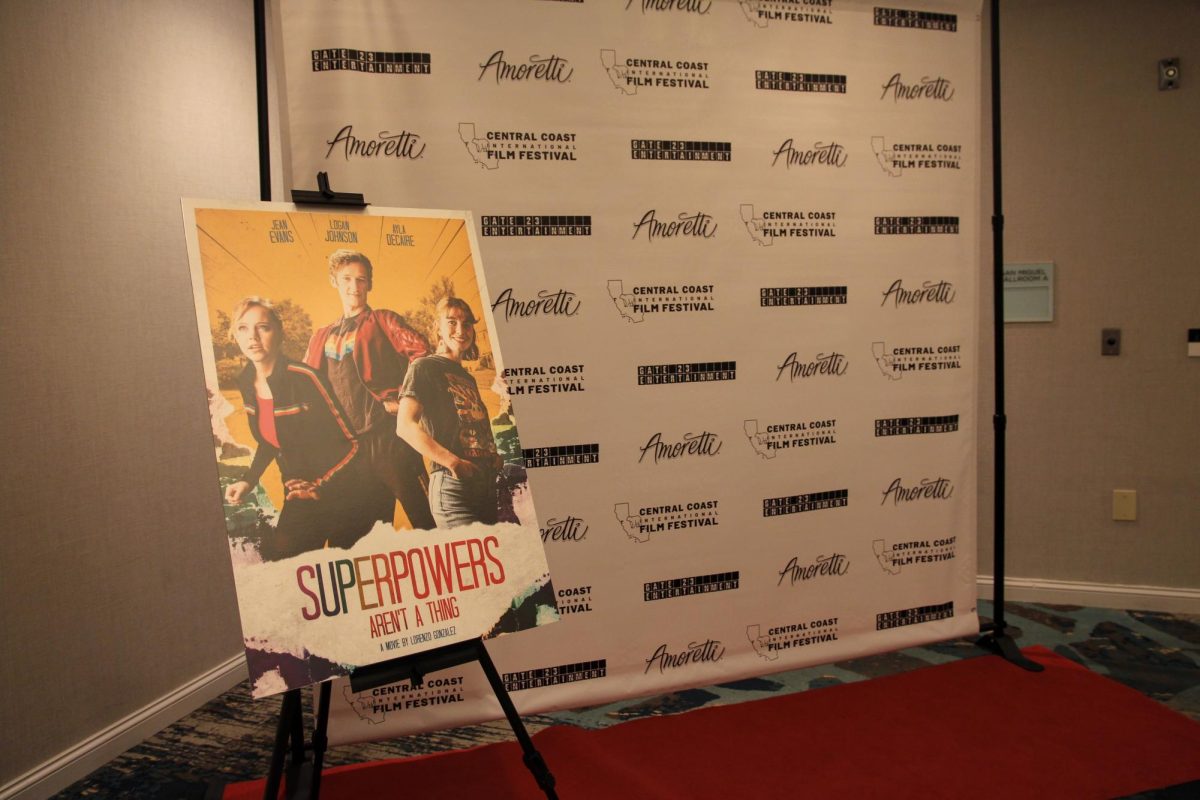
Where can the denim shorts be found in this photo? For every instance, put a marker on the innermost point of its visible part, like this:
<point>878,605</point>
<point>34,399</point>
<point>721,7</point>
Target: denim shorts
<point>454,502</point>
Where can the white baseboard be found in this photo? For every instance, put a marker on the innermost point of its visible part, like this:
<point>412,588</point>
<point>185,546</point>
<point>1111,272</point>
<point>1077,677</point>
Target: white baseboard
<point>1096,595</point>
<point>101,747</point>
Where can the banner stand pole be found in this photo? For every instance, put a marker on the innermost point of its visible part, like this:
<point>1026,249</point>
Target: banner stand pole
<point>995,638</point>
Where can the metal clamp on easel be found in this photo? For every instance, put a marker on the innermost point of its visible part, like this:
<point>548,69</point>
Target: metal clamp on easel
<point>326,196</point>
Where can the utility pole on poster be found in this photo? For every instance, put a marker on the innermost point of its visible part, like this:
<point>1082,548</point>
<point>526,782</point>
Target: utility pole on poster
<point>995,637</point>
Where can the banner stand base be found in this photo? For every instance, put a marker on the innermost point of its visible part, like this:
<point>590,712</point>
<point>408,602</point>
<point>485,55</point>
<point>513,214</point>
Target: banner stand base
<point>303,778</point>
<point>996,641</point>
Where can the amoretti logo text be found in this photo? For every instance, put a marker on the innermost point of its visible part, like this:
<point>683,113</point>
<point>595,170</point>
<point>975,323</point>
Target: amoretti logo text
<point>666,518</point>
<point>700,7</point>
<point>928,293</point>
<point>547,303</point>
<point>799,570</point>
<point>710,650</point>
<point>534,68</point>
<point>386,144</point>
<point>704,444</point>
<point>796,367</point>
<point>374,62</point>
<point>685,225</point>
<point>564,529</point>
<point>925,88</point>
<point>926,489</point>
<point>818,154</point>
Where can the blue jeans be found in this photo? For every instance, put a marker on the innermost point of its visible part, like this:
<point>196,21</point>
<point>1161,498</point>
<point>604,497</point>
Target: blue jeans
<point>454,502</point>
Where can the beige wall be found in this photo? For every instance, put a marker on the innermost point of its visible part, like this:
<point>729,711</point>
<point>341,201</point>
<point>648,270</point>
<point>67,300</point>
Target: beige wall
<point>1102,177</point>
<point>114,585</point>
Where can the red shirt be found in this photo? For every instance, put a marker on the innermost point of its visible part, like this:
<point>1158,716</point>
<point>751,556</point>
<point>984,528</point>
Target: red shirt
<point>266,420</point>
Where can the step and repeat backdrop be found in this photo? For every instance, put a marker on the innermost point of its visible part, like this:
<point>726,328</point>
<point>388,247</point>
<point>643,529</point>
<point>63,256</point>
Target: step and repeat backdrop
<point>732,252</point>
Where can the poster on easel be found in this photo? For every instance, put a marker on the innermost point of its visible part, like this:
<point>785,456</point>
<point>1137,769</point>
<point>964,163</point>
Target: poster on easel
<point>368,461</point>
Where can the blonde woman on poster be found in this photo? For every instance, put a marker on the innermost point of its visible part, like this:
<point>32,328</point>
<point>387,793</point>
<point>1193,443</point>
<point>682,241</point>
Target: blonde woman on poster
<point>297,422</point>
<point>443,417</point>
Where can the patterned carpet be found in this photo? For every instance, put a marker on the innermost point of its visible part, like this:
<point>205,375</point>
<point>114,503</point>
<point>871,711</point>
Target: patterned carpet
<point>230,738</point>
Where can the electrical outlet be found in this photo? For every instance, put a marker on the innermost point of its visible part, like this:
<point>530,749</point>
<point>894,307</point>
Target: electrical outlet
<point>1124,505</point>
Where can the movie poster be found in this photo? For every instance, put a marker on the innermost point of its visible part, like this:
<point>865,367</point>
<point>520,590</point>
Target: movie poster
<point>373,483</point>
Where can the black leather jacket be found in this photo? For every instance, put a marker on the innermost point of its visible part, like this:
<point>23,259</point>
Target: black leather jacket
<point>315,441</point>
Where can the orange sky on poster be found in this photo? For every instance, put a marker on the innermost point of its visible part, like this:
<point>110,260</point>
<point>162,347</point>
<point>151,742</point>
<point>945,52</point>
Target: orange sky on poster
<point>282,255</point>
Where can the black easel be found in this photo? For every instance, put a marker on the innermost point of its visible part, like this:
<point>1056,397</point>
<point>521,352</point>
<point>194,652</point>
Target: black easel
<point>995,638</point>
<point>301,778</point>
<point>289,763</point>
<point>413,668</point>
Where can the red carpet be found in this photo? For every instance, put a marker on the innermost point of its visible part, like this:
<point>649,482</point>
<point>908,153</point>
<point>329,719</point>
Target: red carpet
<point>976,728</point>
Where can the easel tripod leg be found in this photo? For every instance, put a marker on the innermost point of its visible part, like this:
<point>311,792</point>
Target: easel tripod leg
<point>289,708</point>
<point>320,741</point>
<point>532,758</point>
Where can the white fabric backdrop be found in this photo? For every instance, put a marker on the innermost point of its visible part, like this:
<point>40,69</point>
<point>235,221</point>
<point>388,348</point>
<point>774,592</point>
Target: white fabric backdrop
<point>773,202</point>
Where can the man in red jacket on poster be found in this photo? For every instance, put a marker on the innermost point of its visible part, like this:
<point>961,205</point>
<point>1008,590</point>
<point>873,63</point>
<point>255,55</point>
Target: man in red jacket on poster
<point>365,355</point>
